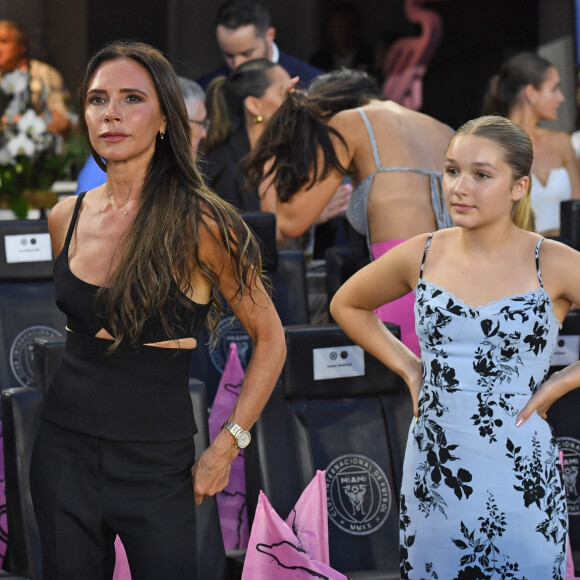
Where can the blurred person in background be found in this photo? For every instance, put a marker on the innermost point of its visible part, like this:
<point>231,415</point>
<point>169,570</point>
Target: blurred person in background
<point>244,32</point>
<point>43,83</point>
<point>527,91</point>
<point>393,155</point>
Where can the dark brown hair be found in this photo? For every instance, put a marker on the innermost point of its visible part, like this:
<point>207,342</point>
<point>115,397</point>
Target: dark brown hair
<point>226,98</point>
<point>299,130</point>
<point>504,89</point>
<point>162,246</point>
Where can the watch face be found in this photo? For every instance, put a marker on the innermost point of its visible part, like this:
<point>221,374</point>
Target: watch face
<point>243,439</point>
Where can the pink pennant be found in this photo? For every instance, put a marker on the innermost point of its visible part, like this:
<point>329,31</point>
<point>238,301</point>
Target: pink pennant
<point>232,500</point>
<point>275,551</point>
<point>309,519</point>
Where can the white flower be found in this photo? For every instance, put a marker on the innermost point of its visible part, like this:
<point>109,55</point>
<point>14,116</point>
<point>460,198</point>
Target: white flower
<point>31,124</point>
<point>20,145</point>
<point>5,157</point>
<point>14,82</point>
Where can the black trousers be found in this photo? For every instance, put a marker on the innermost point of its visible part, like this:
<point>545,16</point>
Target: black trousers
<point>87,490</point>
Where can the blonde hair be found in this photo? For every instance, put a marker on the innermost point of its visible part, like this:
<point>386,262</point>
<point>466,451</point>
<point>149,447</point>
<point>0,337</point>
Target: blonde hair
<point>518,153</point>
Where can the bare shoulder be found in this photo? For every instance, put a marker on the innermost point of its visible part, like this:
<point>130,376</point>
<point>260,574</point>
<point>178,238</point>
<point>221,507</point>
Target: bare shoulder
<point>58,221</point>
<point>559,140</point>
<point>555,255</point>
<point>560,267</point>
<point>347,123</point>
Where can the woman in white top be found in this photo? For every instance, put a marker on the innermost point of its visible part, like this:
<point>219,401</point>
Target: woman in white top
<point>527,91</point>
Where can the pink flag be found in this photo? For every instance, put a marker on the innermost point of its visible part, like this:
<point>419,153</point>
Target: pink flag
<point>275,551</point>
<point>232,500</point>
<point>122,571</point>
<point>3,516</point>
<point>309,519</point>
<point>570,572</point>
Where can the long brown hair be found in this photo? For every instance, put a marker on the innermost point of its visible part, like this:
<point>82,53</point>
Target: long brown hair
<point>504,89</point>
<point>162,245</point>
<point>298,130</point>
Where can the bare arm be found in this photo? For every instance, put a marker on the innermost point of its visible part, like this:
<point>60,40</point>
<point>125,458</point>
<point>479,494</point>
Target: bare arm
<point>297,215</point>
<point>384,280</point>
<point>571,164</point>
<point>561,273</point>
<point>260,319</point>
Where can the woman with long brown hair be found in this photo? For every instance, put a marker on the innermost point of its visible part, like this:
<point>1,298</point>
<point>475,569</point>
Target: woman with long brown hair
<point>141,262</point>
<point>393,155</point>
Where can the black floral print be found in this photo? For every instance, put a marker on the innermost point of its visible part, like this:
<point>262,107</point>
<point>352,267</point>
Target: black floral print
<point>482,499</point>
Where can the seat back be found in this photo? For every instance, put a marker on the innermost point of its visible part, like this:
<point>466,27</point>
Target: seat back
<point>47,354</point>
<point>27,307</point>
<point>570,222</point>
<point>563,416</point>
<point>21,410</point>
<point>341,263</point>
<point>337,409</point>
<point>291,302</point>
<point>263,226</point>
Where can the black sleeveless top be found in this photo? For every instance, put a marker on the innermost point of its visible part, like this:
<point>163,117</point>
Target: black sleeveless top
<point>137,393</point>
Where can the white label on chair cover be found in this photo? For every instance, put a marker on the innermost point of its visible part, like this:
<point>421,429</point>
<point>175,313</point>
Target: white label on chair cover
<point>28,248</point>
<point>567,350</point>
<point>338,362</point>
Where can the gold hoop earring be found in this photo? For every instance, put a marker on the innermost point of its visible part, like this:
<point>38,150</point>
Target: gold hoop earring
<point>258,119</point>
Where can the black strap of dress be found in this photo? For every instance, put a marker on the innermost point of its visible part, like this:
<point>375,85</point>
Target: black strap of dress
<point>73,221</point>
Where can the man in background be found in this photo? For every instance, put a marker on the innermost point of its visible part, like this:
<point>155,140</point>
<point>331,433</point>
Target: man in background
<point>44,81</point>
<point>244,32</point>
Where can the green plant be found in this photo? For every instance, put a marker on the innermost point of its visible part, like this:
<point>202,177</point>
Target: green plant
<point>31,158</point>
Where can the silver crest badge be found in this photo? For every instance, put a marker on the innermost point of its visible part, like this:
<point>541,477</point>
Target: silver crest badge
<point>22,354</point>
<point>570,449</point>
<point>358,494</point>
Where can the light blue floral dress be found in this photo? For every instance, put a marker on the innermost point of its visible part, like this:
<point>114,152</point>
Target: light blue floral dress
<point>482,499</point>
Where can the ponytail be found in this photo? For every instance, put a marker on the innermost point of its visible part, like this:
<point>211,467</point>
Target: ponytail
<point>293,139</point>
<point>491,104</point>
<point>523,214</point>
<point>221,127</point>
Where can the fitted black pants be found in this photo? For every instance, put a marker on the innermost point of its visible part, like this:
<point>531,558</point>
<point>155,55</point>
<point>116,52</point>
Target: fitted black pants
<point>87,490</point>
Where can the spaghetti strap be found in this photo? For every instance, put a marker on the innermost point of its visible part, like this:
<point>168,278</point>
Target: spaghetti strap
<point>371,137</point>
<point>538,261</point>
<point>73,220</point>
<point>425,255</point>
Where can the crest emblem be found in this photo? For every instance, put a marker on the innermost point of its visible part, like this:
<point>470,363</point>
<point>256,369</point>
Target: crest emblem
<point>358,493</point>
<point>22,352</point>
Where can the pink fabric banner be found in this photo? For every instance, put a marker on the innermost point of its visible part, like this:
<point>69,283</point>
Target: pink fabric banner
<point>309,519</point>
<point>3,517</point>
<point>276,551</point>
<point>232,500</point>
<point>570,572</point>
<point>122,571</point>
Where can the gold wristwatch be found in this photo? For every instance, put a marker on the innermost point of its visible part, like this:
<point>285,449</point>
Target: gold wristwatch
<point>241,437</point>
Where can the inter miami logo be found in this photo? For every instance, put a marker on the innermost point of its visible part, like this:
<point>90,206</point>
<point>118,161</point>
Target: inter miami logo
<point>358,493</point>
<point>22,354</point>
<point>570,448</point>
<point>231,330</point>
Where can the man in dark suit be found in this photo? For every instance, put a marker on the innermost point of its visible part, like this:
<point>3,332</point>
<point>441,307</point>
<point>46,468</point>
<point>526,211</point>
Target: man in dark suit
<point>244,32</point>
